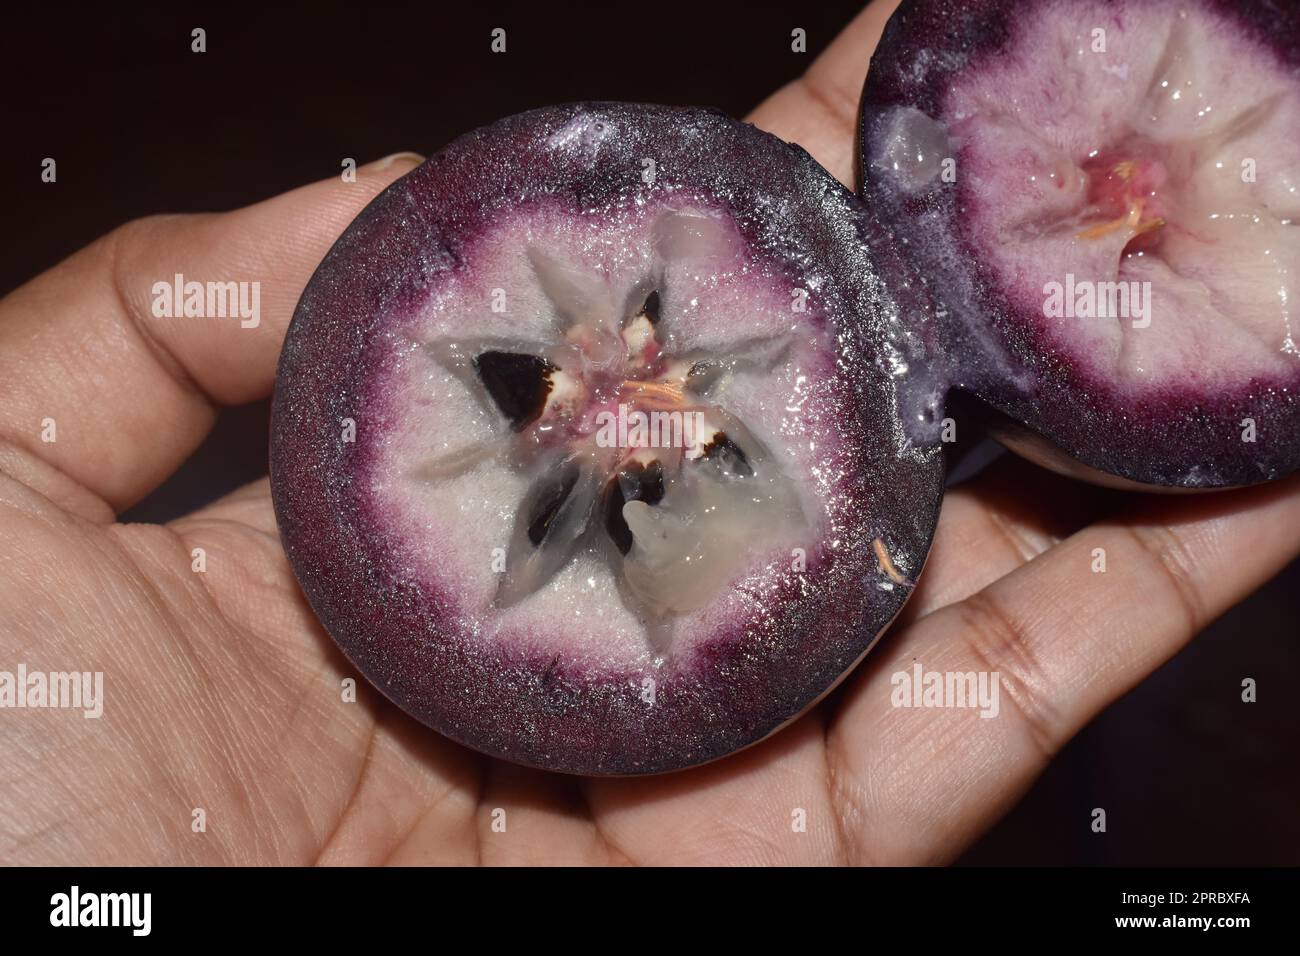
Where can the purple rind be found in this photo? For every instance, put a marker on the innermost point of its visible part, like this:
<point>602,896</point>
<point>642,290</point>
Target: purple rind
<point>749,680</point>
<point>1175,437</point>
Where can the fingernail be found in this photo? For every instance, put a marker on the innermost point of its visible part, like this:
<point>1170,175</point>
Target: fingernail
<point>380,165</point>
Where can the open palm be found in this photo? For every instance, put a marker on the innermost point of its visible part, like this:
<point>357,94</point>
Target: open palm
<point>223,694</point>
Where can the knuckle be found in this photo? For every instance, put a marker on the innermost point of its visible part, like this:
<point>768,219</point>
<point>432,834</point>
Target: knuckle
<point>1001,643</point>
<point>1166,555</point>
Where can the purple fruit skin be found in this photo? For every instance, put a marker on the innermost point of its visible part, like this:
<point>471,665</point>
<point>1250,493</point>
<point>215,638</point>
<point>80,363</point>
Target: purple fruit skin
<point>548,713</point>
<point>1178,438</point>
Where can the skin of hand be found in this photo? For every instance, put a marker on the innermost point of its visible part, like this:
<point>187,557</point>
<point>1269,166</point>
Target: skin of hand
<point>223,692</point>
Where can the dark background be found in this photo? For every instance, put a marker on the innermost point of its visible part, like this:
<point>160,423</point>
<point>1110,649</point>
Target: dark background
<point>139,124</point>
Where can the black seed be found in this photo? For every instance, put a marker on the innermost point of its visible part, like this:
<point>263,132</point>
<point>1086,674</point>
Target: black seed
<point>728,456</point>
<point>618,530</point>
<point>549,501</point>
<point>519,384</point>
<point>651,308</point>
<point>652,483</point>
<point>635,482</point>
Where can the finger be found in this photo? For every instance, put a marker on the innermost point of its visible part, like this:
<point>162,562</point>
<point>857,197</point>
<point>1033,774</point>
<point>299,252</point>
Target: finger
<point>1005,517</point>
<point>98,386</point>
<point>1065,639</point>
<point>819,111</point>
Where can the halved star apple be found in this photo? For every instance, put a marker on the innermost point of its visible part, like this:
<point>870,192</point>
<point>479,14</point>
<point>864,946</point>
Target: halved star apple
<point>1101,197</point>
<point>588,439</point>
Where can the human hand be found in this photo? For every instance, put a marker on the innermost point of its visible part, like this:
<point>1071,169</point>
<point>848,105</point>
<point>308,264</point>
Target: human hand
<point>223,690</point>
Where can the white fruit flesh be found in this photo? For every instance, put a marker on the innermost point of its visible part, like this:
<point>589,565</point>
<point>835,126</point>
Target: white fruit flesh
<point>561,284</point>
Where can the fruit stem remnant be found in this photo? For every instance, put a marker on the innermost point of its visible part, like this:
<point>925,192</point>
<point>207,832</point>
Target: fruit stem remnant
<point>1126,187</point>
